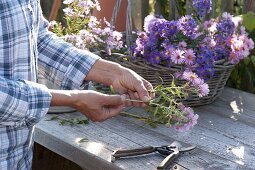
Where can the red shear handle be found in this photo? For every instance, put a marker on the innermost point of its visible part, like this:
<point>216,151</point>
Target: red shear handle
<point>133,152</point>
<point>163,165</point>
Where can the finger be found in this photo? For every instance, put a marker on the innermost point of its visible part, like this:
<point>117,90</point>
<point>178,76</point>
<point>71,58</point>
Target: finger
<point>121,91</point>
<point>142,92</point>
<point>149,88</point>
<point>141,104</point>
<point>128,102</point>
<point>109,112</point>
<point>132,96</point>
<point>112,100</point>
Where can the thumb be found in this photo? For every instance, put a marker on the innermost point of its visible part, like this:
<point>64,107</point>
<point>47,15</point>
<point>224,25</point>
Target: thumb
<point>112,100</point>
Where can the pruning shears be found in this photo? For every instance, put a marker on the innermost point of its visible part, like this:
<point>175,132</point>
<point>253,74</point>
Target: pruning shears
<point>171,152</point>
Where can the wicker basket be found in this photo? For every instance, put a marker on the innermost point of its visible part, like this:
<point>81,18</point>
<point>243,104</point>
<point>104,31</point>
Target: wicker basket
<point>152,73</point>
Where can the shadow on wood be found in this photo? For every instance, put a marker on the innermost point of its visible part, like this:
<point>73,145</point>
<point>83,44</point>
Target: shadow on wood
<point>45,159</point>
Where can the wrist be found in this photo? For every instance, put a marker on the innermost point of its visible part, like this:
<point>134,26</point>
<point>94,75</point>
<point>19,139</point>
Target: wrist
<point>105,72</point>
<point>63,97</point>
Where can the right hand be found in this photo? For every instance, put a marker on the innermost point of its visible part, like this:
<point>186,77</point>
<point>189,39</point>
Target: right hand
<point>97,106</point>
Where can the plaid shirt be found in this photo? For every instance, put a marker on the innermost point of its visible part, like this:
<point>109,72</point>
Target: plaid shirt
<point>25,47</point>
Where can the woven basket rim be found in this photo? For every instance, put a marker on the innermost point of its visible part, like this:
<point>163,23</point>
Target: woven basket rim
<point>156,73</point>
<point>220,64</point>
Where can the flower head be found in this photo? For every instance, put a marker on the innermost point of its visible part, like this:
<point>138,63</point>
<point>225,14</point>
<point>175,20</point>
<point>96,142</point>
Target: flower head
<point>202,7</point>
<point>189,26</point>
<point>178,56</point>
<point>191,120</point>
<point>189,57</point>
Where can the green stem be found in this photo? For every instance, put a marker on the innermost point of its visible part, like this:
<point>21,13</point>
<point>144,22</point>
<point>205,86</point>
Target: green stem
<point>126,114</point>
<point>132,100</point>
<point>133,115</point>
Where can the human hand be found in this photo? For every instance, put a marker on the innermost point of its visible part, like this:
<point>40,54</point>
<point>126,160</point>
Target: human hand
<point>96,106</point>
<point>133,86</point>
<point>123,80</point>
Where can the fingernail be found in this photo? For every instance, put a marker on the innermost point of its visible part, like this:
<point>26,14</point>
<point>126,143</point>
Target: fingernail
<point>123,97</point>
<point>146,99</point>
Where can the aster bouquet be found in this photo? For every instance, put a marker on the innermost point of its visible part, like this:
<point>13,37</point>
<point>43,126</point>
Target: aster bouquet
<point>84,30</point>
<point>193,44</point>
<point>199,55</point>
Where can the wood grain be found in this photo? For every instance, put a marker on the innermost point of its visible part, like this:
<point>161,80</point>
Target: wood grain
<point>224,141</point>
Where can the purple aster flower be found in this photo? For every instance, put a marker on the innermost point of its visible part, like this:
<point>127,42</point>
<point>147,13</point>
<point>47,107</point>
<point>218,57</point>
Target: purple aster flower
<point>203,90</point>
<point>189,26</point>
<point>210,26</point>
<point>202,7</point>
<point>234,58</point>
<point>167,52</point>
<point>69,12</point>
<point>191,120</point>
<point>225,28</point>
<point>182,45</point>
<point>168,28</point>
<point>178,56</point>
<point>189,57</point>
<point>190,76</point>
<point>204,63</point>
<point>198,81</point>
<point>148,21</point>
<point>154,57</point>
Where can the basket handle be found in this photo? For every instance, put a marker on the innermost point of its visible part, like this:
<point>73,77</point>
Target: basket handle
<point>128,21</point>
<point>54,10</point>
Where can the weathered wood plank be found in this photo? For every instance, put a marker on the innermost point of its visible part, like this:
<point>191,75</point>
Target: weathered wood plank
<point>249,5</point>
<point>227,6</point>
<point>140,9</point>
<point>218,132</point>
<point>223,142</point>
<point>174,10</point>
<point>126,135</point>
<point>93,154</point>
<point>189,7</point>
<point>143,137</point>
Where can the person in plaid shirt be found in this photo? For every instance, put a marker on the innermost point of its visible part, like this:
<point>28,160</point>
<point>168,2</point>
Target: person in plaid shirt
<point>26,47</point>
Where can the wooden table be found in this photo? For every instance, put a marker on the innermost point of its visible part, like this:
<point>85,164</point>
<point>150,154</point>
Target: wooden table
<point>225,136</point>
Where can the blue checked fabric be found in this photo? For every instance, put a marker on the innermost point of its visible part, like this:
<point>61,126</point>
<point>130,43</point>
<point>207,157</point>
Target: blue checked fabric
<point>25,47</point>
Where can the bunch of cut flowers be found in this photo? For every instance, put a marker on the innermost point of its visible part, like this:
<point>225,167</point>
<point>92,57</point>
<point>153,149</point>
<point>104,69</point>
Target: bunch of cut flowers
<point>84,30</point>
<point>196,45</point>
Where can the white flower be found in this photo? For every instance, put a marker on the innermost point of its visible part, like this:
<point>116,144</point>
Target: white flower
<point>68,1</point>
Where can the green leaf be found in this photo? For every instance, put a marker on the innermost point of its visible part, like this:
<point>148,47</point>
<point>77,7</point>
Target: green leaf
<point>151,123</point>
<point>53,118</point>
<point>156,111</point>
<point>81,121</point>
<point>173,84</point>
<point>112,91</point>
<point>83,140</point>
<point>253,60</point>
<point>248,20</point>
<point>62,122</point>
<point>247,61</point>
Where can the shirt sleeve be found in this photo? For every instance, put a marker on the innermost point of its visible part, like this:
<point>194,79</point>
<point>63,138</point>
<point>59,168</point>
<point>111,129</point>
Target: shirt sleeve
<point>61,62</point>
<point>22,102</point>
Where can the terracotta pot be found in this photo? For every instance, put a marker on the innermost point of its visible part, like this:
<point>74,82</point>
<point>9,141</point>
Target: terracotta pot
<point>106,12</point>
